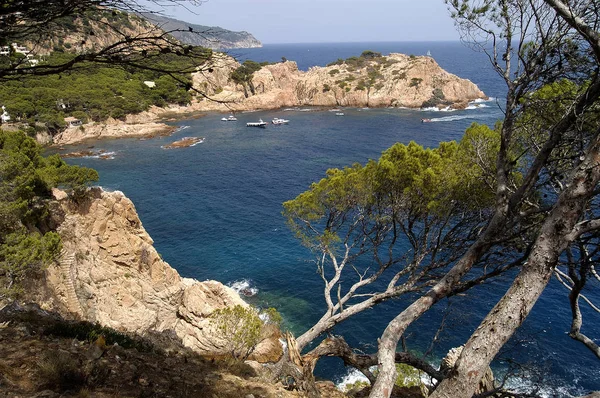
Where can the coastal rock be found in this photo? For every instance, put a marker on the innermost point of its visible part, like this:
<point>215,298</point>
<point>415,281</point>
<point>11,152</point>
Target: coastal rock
<point>112,128</point>
<point>110,273</point>
<point>397,80</point>
<point>184,142</point>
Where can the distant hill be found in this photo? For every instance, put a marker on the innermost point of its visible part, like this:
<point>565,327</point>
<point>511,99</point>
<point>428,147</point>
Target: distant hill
<point>206,36</point>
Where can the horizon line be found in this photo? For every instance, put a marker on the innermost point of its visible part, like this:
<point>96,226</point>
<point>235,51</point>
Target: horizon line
<point>361,42</point>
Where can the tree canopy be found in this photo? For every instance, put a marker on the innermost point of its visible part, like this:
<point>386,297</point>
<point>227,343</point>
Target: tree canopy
<point>27,240</point>
<point>437,222</point>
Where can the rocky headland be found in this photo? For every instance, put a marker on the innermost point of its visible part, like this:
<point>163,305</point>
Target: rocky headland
<point>396,80</point>
<point>110,273</point>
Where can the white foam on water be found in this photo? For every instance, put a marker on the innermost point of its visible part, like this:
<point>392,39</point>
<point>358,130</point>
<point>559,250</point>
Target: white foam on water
<point>101,155</point>
<point>196,143</point>
<point>525,386</point>
<point>244,287</point>
<point>481,100</point>
<point>477,106</point>
<point>350,378</point>
<point>436,109</point>
<point>449,118</point>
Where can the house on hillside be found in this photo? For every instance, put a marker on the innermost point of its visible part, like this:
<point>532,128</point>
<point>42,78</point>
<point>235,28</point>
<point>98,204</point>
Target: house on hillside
<point>5,117</point>
<point>5,50</point>
<point>73,121</point>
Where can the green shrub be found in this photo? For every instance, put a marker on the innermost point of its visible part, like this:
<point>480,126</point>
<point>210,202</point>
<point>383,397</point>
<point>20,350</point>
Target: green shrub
<point>334,72</point>
<point>339,61</point>
<point>370,54</point>
<point>242,328</point>
<point>415,81</point>
<point>26,180</point>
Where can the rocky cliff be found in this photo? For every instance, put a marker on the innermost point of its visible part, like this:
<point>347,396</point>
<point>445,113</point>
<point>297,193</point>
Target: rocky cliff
<point>396,80</point>
<point>111,274</point>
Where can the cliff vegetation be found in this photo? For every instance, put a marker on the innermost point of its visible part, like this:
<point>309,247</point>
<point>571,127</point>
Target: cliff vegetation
<point>28,240</point>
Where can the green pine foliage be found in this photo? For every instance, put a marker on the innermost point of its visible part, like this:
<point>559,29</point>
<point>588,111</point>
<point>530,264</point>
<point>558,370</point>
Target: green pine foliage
<point>27,241</point>
<point>97,91</point>
<point>408,179</point>
<point>242,328</point>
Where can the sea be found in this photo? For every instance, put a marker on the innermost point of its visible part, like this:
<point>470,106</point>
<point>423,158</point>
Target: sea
<point>214,212</point>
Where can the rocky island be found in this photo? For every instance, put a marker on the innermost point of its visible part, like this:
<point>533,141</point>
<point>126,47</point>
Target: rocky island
<point>184,142</point>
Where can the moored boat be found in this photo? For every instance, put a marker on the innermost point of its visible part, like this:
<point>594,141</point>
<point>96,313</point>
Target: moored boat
<point>231,118</point>
<point>277,121</point>
<point>260,123</point>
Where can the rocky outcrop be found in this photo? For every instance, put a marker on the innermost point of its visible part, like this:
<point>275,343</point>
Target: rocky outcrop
<point>397,80</point>
<point>112,128</point>
<point>111,274</point>
<point>144,124</point>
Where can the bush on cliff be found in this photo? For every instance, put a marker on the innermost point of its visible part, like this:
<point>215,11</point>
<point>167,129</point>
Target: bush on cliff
<point>27,239</point>
<point>243,328</point>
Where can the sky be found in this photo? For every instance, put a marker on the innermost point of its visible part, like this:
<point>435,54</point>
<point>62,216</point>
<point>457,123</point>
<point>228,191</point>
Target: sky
<point>315,21</point>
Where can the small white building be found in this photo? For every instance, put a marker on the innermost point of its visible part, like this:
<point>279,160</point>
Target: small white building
<point>73,121</point>
<point>20,49</point>
<point>5,50</point>
<point>150,83</point>
<point>5,117</point>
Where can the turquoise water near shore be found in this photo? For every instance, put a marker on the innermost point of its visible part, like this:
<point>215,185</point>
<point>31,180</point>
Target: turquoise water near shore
<point>214,209</point>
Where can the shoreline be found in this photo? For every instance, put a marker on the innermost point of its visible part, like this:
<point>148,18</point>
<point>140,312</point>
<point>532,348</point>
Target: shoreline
<point>147,124</point>
<point>157,126</point>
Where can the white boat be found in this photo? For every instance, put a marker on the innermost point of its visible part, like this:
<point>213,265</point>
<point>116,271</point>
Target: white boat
<point>231,118</point>
<point>339,114</point>
<point>260,123</point>
<point>277,121</point>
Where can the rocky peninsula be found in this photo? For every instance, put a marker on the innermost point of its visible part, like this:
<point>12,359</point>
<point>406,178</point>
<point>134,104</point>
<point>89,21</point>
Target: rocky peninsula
<point>396,80</point>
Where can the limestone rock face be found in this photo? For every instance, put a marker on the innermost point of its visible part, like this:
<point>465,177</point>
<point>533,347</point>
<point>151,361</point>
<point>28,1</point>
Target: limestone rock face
<point>112,128</point>
<point>110,273</point>
<point>397,80</point>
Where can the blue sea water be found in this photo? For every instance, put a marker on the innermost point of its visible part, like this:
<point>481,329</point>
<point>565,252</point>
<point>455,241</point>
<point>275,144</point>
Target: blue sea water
<point>214,210</point>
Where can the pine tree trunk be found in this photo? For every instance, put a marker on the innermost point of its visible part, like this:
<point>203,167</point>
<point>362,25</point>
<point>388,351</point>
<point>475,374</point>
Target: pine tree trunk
<point>510,312</point>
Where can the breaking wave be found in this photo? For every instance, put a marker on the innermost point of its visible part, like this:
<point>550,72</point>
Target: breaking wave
<point>449,118</point>
<point>244,287</point>
<point>349,379</point>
